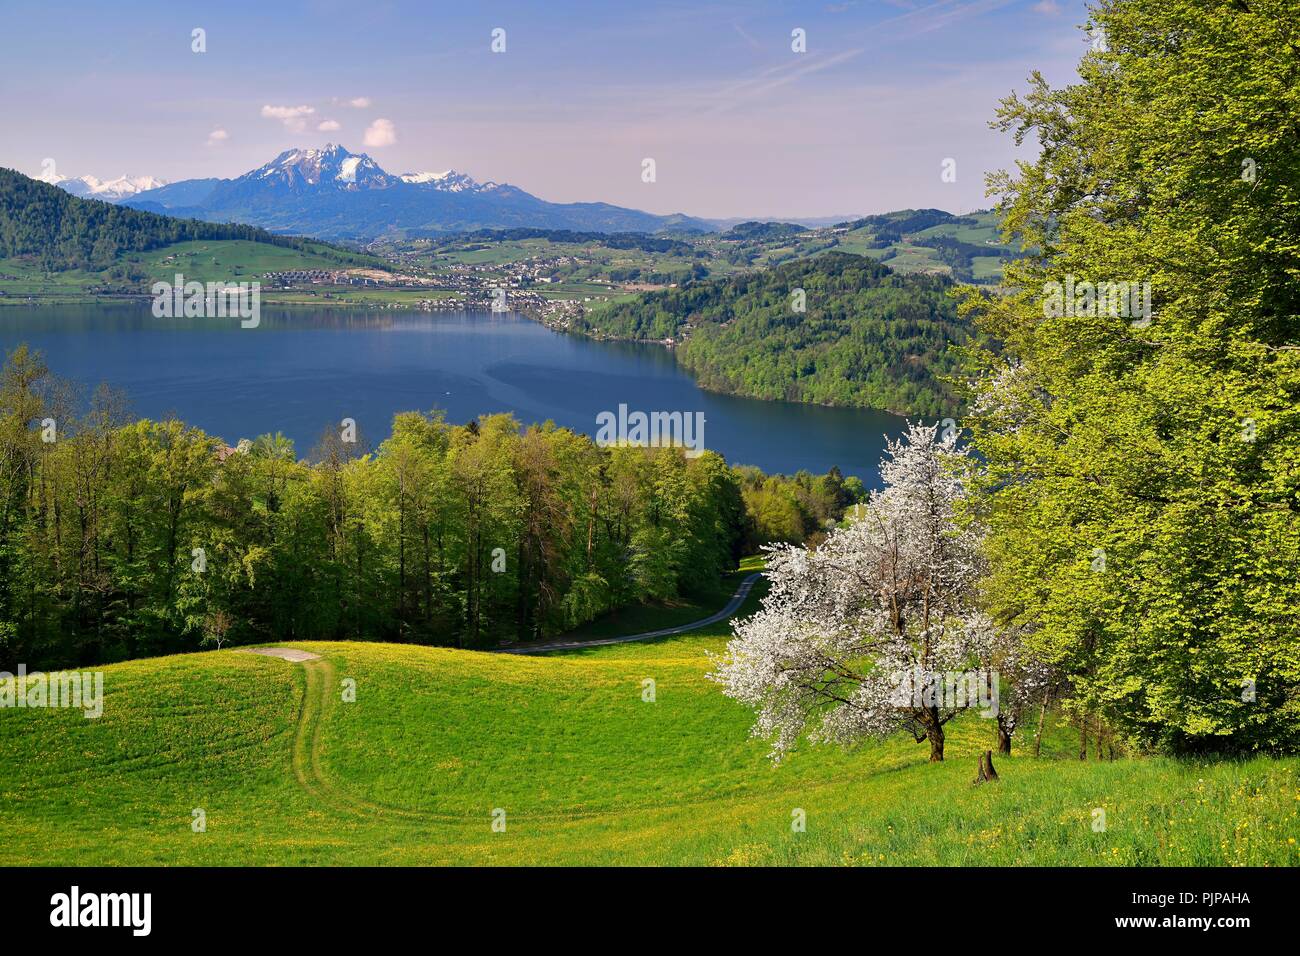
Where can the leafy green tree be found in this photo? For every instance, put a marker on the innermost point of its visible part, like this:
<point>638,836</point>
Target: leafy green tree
<point>1143,488</point>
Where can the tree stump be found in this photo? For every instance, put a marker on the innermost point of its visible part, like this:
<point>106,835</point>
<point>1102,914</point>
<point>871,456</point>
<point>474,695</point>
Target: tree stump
<point>986,772</point>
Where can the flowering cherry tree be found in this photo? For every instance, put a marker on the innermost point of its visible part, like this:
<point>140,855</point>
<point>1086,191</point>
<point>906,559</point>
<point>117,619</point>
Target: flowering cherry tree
<point>887,596</point>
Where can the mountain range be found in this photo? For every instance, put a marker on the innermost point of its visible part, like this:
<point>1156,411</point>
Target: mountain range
<point>111,190</point>
<point>332,193</point>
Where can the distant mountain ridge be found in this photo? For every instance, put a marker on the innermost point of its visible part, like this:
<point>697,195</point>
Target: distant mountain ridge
<point>112,190</point>
<point>332,193</point>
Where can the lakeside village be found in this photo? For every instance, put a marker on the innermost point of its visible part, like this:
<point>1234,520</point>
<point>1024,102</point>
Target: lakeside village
<point>509,287</point>
<point>541,287</point>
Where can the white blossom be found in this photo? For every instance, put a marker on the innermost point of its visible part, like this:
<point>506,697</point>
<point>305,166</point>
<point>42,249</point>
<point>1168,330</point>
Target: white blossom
<point>891,594</point>
<point>1023,677</point>
<point>1008,399</point>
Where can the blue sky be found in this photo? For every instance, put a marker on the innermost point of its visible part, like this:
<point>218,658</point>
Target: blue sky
<point>738,124</point>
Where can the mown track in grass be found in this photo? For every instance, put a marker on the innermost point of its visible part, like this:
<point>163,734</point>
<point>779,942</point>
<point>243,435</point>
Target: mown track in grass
<point>588,773</point>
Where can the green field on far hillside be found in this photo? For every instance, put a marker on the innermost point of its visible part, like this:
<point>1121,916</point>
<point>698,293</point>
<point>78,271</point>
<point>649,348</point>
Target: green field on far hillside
<point>233,260</point>
<point>225,260</point>
<point>914,250</point>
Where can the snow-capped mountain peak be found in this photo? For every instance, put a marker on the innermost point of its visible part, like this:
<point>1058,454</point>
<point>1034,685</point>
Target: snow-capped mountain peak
<point>333,165</point>
<point>448,181</point>
<point>331,193</point>
<point>111,190</point>
<point>419,178</point>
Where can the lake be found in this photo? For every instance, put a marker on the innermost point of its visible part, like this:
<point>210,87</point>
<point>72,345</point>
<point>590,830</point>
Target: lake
<point>302,370</point>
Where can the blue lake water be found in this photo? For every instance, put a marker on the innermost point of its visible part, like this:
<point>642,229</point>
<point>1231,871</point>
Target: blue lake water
<point>302,371</point>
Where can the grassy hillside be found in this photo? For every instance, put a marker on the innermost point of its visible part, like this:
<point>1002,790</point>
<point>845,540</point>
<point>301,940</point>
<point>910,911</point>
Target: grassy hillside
<point>586,771</point>
<point>583,264</point>
<point>932,242</point>
<point>211,260</point>
<point>966,248</point>
<point>60,231</point>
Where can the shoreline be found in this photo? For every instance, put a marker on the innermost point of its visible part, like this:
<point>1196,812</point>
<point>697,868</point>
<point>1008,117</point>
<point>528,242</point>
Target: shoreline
<point>452,305</point>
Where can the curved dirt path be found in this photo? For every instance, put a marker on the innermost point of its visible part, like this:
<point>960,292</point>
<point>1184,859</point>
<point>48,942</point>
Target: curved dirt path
<point>733,605</point>
<point>306,740</point>
<point>308,748</point>
<point>319,677</point>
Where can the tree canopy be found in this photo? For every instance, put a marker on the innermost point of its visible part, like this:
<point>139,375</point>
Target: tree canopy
<point>1143,471</point>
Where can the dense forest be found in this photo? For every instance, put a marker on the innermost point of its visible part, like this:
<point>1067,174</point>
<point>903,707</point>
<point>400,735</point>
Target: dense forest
<point>795,509</point>
<point>867,337</point>
<point>1142,482</point>
<point>122,538</point>
<point>60,231</point>
<point>908,221</point>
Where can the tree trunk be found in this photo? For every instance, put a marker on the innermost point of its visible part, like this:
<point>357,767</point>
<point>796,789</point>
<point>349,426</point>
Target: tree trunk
<point>935,733</point>
<point>985,772</point>
<point>401,567</point>
<point>1083,737</point>
<point>1042,716</point>
<point>1004,741</point>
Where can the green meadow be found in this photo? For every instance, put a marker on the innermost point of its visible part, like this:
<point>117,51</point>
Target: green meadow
<point>226,260</point>
<point>584,767</point>
<point>233,259</point>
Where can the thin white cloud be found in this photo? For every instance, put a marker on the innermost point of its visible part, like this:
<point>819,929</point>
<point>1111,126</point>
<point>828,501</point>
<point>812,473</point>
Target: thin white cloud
<point>913,22</point>
<point>814,66</point>
<point>294,118</point>
<point>356,102</point>
<point>328,126</point>
<point>381,132</point>
<point>1048,8</point>
<point>940,14</point>
<point>774,77</point>
<point>747,37</point>
<point>217,136</point>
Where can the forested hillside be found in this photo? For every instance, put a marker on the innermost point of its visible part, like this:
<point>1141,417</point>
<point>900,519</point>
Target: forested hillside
<point>60,231</point>
<point>867,337</point>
